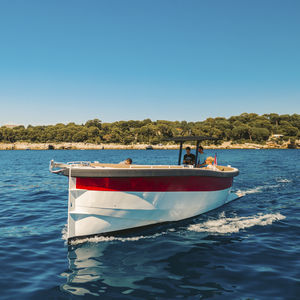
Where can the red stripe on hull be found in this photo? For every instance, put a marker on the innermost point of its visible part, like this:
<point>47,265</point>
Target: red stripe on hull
<point>154,184</point>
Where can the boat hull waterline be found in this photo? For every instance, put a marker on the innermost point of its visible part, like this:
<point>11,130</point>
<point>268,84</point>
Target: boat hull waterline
<point>100,205</point>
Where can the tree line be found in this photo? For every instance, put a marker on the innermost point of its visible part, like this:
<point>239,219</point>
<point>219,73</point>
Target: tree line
<point>247,127</point>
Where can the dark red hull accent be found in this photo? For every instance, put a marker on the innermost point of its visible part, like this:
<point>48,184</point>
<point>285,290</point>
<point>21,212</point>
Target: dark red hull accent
<point>154,184</point>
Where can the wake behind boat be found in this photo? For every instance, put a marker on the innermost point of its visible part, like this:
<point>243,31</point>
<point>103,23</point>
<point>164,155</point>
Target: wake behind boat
<point>106,198</point>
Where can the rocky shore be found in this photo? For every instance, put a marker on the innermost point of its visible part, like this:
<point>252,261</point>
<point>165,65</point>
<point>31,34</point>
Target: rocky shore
<point>87,146</point>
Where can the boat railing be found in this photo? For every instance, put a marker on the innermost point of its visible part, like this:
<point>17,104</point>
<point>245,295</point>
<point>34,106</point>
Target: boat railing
<point>135,166</point>
<point>79,163</point>
<point>58,167</point>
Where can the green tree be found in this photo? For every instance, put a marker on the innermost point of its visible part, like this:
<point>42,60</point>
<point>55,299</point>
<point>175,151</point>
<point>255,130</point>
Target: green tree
<point>259,134</point>
<point>94,123</point>
<point>81,135</point>
<point>240,132</point>
<point>287,129</point>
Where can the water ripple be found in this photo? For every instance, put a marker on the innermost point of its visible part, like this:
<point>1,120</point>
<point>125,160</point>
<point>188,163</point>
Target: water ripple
<point>247,249</point>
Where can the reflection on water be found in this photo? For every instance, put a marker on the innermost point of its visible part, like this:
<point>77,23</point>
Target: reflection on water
<point>97,267</point>
<point>140,265</point>
<point>251,251</point>
<point>85,264</point>
<point>191,259</point>
<point>102,265</point>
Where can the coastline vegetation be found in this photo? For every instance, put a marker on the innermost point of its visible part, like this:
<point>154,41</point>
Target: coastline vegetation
<point>245,128</point>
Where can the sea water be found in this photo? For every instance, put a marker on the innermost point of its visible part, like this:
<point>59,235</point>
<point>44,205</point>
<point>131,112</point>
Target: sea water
<point>247,249</point>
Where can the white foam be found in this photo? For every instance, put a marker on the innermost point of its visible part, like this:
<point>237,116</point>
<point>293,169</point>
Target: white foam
<point>99,239</point>
<point>222,225</point>
<point>283,180</point>
<point>232,225</point>
<point>64,232</point>
<point>273,186</point>
<point>257,189</point>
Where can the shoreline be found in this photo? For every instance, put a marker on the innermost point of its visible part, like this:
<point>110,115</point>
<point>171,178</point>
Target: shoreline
<point>88,146</point>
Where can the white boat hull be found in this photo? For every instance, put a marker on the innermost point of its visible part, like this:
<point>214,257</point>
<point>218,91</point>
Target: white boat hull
<point>106,198</point>
<point>92,212</point>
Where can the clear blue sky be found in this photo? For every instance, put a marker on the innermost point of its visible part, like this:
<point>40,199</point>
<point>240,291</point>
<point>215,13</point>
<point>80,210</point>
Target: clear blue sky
<point>71,60</point>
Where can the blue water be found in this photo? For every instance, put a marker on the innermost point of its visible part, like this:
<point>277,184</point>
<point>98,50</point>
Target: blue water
<point>248,249</point>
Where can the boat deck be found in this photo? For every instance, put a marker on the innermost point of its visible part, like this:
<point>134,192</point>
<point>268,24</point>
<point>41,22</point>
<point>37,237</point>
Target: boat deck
<point>124,166</point>
<point>96,169</point>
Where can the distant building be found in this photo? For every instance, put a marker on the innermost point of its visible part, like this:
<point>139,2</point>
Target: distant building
<point>277,136</point>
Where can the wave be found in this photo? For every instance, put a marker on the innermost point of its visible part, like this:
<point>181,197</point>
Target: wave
<point>283,180</point>
<point>232,225</point>
<point>98,239</point>
<point>260,189</point>
<point>257,189</point>
<point>113,238</point>
<point>64,233</point>
<point>222,225</point>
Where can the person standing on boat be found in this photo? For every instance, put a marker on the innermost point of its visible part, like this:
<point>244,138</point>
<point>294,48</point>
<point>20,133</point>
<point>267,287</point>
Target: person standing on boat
<point>201,157</point>
<point>189,158</point>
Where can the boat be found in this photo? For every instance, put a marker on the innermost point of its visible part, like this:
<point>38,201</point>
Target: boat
<point>149,147</point>
<point>108,198</point>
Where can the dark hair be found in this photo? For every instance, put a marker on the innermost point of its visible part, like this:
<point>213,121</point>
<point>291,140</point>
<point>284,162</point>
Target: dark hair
<point>130,160</point>
<point>200,147</point>
<point>187,148</point>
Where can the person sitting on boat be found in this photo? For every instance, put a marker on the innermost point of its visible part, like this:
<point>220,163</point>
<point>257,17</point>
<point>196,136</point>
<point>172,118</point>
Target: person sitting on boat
<point>189,158</point>
<point>127,161</point>
<point>201,157</point>
<point>209,162</point>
